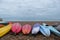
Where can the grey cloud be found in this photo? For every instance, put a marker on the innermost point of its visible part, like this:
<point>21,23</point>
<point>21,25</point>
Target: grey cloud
<point>30,9</point>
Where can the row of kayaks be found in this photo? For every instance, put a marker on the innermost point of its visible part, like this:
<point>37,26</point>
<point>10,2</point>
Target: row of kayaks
<point>27,29</point>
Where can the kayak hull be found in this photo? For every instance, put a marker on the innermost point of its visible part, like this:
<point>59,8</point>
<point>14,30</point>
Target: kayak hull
<point>45,31</point>
<point>55,31</point>
<point>58,27</point>
<point>16,28</point>
<point>26,29</point>
<point>35,28</point>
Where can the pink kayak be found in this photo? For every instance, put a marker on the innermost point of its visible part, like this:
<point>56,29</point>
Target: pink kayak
<point>26,29</point>
<point>16,28</point>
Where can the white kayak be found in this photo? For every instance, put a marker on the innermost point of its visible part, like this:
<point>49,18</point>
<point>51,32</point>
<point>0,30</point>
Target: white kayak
<point>35,28</point>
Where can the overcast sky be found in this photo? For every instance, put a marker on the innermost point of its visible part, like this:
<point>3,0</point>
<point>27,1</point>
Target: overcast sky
<point>30,9</point>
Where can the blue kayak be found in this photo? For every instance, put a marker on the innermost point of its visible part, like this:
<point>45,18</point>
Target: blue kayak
<point>54,30</point>
<point>44,30</point>
<point>35,28</point>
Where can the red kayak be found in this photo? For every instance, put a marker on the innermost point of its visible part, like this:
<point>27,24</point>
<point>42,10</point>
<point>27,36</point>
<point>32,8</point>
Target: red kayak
<point>16,28</point>
<point>26,29</point>
<point>1,25</point>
